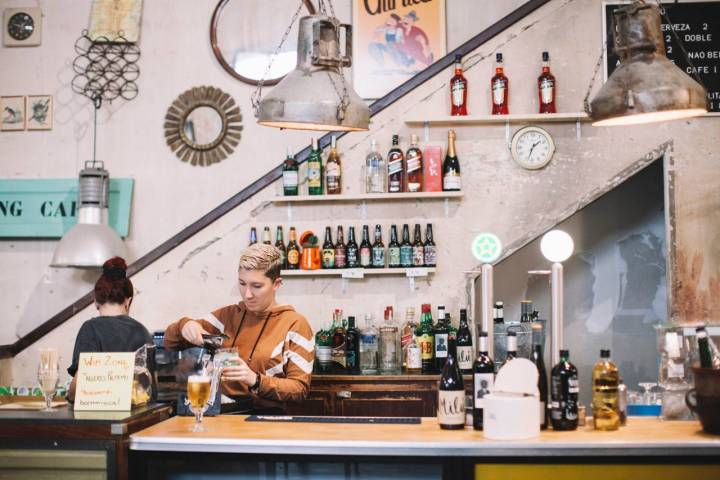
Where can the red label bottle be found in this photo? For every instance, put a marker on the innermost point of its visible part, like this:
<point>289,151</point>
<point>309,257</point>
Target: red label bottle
<point>458,90</point>
<point>499,88</point>
<point>546,86</point>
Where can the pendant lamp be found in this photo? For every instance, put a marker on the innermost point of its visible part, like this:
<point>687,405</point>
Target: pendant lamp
<point>646,87</point>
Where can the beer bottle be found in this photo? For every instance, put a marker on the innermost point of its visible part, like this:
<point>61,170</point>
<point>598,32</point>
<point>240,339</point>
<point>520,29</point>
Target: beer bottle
<point>406,248</point>
<point>365,249</point>
<point>353,255</point>
<point>266,236</point>
<point>429,249</point>
<point>328,250</point>
<point>340,249</point>
<point>293,251</point>
<point>253,236</point>
<point>393,248</point>
<point>280,245</point>
<point>418,249</point>
<point>396,167</point>
<point>378,249</point>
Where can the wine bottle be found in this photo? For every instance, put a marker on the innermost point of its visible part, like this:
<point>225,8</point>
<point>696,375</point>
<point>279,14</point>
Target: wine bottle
<point>464,344</point>
<point>440,333</point>
<point>483,379</point>
<point>537,358</point>
<point>564,389</point>
<point>451,394</point>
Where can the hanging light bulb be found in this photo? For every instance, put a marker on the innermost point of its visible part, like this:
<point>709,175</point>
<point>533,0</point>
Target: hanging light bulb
<point>646,87</point>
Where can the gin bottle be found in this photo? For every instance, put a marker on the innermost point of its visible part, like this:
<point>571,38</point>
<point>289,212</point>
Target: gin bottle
<point>368,347</point>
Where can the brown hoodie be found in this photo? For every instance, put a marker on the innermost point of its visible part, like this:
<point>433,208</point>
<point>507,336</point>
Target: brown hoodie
<point>283,356</point>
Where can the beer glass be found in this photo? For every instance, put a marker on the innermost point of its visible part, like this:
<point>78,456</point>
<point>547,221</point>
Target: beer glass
<point>48,375</point>
<point>200,393</point>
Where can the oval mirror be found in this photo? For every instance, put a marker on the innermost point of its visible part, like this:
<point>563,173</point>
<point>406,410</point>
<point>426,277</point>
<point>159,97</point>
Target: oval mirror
<point>245,33</point>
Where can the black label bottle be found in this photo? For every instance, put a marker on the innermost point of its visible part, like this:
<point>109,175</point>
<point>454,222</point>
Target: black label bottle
<point>290,174</point>
<point>483,379</point>
<point>352,347</point>
<point>536,356</point>
<point>340,249</point>
<point>564,389</point>
<point>393,250</point>
<point>441,334</point>
<point>328,250</point>
<point>429,248</point>
<point>464,344</point>
<point>365,249</point>
<point>451,394</point>
<point>451,167</point>
<point>293,251</point>
<point>418,255</point>
<point>280,245</point>
<point>406,248</point>
<point>396,167</point>
<point>378,249</point>
<point>353,254</point>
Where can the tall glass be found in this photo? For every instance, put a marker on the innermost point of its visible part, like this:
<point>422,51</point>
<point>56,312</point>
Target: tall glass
<point>48,375</point>
<point>198,396</point>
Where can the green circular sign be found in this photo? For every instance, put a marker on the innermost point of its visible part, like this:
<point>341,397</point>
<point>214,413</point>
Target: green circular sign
<point>487,247</point>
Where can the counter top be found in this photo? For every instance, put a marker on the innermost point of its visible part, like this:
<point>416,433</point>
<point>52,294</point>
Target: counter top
<point>232,434</point>
<point>65,414</point>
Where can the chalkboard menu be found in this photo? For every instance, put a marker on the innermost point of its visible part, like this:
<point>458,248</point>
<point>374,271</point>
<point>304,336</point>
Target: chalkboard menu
<point>697,25</point>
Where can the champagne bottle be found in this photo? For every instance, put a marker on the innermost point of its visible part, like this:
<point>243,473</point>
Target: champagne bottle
<point>451,167</point>
<point>483,379</point>
<point>451,394</point>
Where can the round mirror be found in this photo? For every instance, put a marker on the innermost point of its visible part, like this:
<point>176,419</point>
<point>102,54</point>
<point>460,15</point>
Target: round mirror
<point>245,33</point>
<point>203,125</point>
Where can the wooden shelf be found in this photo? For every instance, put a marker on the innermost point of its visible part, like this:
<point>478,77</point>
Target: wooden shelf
<point>362,197</point>
<point>356,273</point>
<point>570,117</point>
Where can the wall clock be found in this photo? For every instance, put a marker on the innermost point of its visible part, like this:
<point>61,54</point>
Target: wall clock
<point>532,147</point>
<point>22,27</point>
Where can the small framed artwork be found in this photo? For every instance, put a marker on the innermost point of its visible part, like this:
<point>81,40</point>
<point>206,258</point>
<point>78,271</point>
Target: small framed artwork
<point>112,18</point>
<point>39,110</point>
<point>12,113</point>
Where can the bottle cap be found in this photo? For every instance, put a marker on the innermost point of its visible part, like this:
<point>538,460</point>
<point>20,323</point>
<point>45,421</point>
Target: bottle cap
<point>511,334</point>
<point>458,58</point>
<point>546,57</point>
<point>498,304</point>
<point>604,353</point>
<point>498,57</point>
<point>564,353</point>
<point>483,334</point>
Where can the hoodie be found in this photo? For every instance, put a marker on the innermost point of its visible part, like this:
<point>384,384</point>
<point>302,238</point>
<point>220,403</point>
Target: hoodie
<point>283,357</point>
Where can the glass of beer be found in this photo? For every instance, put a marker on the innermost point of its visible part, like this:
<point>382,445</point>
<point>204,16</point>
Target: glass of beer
<point>198,396</point>
<point>48,375</point>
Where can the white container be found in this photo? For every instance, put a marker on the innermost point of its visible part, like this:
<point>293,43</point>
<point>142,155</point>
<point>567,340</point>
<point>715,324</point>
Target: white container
<point>511,411</point>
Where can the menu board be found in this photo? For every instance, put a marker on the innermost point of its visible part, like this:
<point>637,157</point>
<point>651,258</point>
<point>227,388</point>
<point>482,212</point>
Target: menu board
<point>697,26</point>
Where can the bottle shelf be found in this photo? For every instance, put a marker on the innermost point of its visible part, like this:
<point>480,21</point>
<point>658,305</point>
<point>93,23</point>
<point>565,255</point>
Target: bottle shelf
<point>570,117</point>
<point>353,273</point>
<point>362,197</point>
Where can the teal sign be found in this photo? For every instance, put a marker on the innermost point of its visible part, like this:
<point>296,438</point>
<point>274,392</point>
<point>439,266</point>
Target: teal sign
<point>47,208</point>
<point>486,247</point>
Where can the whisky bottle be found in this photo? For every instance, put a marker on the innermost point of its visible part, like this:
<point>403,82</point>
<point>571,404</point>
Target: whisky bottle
<point>323,349</point>
<point>338,350</point>
<point>605,401</point>
<point>451,394</point>
<point>452,181</point>
<point>418,249</point>
<point>340,249</point>
<point>500,88</point>
<point>293,251</point>
<point>564,389</point>
<point>430,249</point>
<point>375,171</point>
<point>328,250</point>
<point>333,170</point>
<point>464,344</point>
<point>406,248</point>
<point>253,236</point>
<point>314,170</point>
<point>546,86</point>
<point>425,340</point>
<point>458,89</point>
<point>393,251</point>
<point>378,249</point>
<point>267,240</point>
<point>352,347</point>
<point>396,167</point>
<point>365,249</point>
<point>280,245</point>
<point>290,174</point>
<point>536,356</point>
<point>483,380</point>
<point>414,166</point>
<point>353,254</point>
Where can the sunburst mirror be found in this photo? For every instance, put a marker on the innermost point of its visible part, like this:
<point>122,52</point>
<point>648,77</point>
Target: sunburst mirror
<point>203,125</point>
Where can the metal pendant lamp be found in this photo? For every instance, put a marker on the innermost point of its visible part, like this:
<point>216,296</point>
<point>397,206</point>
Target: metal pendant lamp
<point>316,95</point>
<point>646,87</point>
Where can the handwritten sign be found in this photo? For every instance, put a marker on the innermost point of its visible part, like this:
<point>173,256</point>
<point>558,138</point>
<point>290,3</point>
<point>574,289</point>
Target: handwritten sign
<point>105,381</point>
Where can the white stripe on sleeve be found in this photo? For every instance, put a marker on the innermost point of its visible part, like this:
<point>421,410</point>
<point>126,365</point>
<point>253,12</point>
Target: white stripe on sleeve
<point>214,322</point>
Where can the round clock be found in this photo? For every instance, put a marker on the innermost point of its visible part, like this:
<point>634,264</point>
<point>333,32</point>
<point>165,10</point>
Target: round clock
<point>532,147</point>
<point>20,26</point>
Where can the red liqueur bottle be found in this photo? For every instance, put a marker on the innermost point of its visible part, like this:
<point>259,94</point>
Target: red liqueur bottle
<point>499,88</point>
<point>546,86</point>
<point>458,90</point>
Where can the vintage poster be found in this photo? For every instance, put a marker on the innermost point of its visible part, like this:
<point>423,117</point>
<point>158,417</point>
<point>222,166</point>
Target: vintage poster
<point>393,40</point>
<point>112,18</point>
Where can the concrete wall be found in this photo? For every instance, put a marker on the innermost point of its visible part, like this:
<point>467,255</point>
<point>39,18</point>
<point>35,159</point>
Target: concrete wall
<point>200,273</point>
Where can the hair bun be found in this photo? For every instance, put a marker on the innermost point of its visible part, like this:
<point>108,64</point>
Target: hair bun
<point>115,269</point>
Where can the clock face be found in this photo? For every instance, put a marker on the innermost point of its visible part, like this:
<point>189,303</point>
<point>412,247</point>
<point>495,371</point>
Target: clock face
<point>20,26</point>
<point>532,147</point>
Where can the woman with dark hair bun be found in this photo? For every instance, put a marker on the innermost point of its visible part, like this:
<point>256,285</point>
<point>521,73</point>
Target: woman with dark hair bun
<point>113,330</point>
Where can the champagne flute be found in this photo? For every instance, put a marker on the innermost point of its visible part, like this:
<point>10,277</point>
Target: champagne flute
<point>48,375</point>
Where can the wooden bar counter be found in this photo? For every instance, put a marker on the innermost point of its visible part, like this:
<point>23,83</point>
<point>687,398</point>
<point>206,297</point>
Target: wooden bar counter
<point>647,446</point>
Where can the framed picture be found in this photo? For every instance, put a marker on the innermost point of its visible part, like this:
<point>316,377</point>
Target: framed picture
<point>39,110</point>
<point>110,18</point>
<point>390,45</point>
<point>12,113</point>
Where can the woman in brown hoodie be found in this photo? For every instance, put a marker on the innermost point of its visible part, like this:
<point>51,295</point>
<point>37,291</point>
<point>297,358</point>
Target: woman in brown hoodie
<point>275,343</point>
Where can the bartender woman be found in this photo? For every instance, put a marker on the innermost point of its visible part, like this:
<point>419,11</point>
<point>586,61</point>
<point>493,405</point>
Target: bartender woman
<point>275,343</point>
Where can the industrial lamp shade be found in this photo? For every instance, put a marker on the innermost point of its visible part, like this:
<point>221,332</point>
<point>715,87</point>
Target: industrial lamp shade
<point>315,95</point>
<point>91,241</point>
<point>646,87</point>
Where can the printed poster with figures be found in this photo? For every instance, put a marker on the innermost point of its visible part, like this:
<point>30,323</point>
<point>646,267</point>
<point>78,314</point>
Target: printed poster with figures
<point>393,40</point>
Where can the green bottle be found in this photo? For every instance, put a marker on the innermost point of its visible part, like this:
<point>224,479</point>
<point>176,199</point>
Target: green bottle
<point>315,170</point>
<point>426,340</point>
<point>290,175</point>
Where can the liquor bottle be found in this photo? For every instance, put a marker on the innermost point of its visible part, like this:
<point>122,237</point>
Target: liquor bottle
<point>406,248</point>
<point>429,248</point>
<point>464,344</point>
<point>708,357</point>
<point>368,347</point>
<point>526,310</point>
<point>564,389</point>
<point>536,356</point>
<point>290,174</point>
<point>407,334</point>
<point>323,349</point>
<point>605,401</point>
<point>328,250</point>
<point>389,346</point>
<point>414,166</point>
<point>280,245</point>
<point>451,394</point>
<point>440,332</point>
<point>378,249</point>
<point>498,313</point>
<point>458,89</point>
<point>340,249</point>
<point>352,347</point>
<point>253,236</point>
<point>414,356</point>
<point>452,330</point>
<point>365,249</point>
<point>338,349</point>
<point>418,249</point>
<point>315,170</point>
<point>267,239</point>
<point>374,170</point>
<point>353,255</point>
<point>500,88</point>
<point>333,170</point>
<point>511,346</point>
<point>396,167</point>
<point>425,340</point>
<point>293,251</point>
<point>483,379</point>
<point>393,250</point>
<point>452,181</point>
<point>546,86</point>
